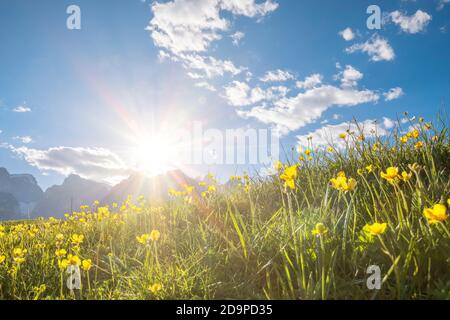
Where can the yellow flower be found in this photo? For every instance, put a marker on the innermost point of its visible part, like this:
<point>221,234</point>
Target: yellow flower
<point>278,166</point>
<point>320,229</point>
<point>86,265</point>
<point>289,175</point>
<point>435,138</point>
<point>308,152</point>
<point>404,139</point>
<point>375,229</point>
<point>448,201</point>
<point>376,146</point>
<point>343,136</point>
<point>418,145</point>
<point>154,288</point>
<point>427,126</point>
<point>73,260</point>
<point>155,235</point>
<point>406,176</point>
<point>60,253</point>
<point>369,168</point>
<point>63,264</point>
<point>19,255</point>
<point>143,239</point>
<point>40,289</point>
<point>436,214</point>
<point>414,134</point>
<point>59,237</point>
<point>189,189</point>
<point>330,149</point>
<point>77,239</point>
<point>391,174</point>
<point>341,182</point>
<point>211,188</point>
<point>2,259</point>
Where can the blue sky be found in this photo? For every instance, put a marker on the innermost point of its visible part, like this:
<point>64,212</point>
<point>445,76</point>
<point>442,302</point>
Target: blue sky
<point>85,95</point>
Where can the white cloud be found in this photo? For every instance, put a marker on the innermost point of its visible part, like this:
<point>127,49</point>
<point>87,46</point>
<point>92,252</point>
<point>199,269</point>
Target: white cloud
<point>388,123</point>
<point>90,163</point>
<point>209,67</point>
<point>24,139</point>
<point>277,76</point>
<point>237,94</point>
<point>240,94</point>
<point>186,25</point>
<point>347,34</point>
<point>21,109</point>
<point>336,116</point>
<point>249,8</point>
<point>329,134</point>
<point>291,113</point>
<point>393,94</point>
<point>194,75</point>
<point>411,24</point>
<point>206,86</point>
<point>350,76</point>
<point>377,48</point>
<point>185,29</point>
<point>310,81</point>
<point>237,37</point>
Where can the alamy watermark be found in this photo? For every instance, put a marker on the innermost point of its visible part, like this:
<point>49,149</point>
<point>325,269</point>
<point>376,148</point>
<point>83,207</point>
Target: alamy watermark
<point>195,145</point>
<point>74,277</point>
<point>374,280</point>
<point>73,21</point>
<point>374,21</point>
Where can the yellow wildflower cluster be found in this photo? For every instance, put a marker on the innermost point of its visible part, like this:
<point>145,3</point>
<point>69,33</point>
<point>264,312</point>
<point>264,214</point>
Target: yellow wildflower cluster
<point>18,255</point>
<point>392,175</point>
<point>186,192</point>
<point>146,238</point>
<point>289,176</point>
<point>341,182</point>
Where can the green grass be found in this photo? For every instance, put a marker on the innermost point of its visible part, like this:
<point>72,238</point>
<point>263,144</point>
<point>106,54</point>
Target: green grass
<point>255,241</point>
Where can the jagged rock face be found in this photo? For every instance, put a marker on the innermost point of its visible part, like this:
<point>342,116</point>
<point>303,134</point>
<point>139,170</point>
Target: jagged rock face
<point>74,192</point>
<point>9,207</point>
<point>154,189</point>
<point>23,187</point>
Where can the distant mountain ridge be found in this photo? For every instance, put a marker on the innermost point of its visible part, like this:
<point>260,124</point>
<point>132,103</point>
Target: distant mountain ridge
<point>24,189</point>
<point>74,192</point>
<point>153,188</point>
<point>22,198</point>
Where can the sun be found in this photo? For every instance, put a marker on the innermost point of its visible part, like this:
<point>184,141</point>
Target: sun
<point>153,155</point>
